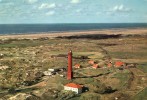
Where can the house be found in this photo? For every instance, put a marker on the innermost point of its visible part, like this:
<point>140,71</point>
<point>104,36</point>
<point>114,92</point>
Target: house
<point>77,66</point>
<point>73,87</point>
<point>119,64</point>
<point>48,73</point>
<point>109,65</point>
<point>95,66</point>
<point>91,62</point>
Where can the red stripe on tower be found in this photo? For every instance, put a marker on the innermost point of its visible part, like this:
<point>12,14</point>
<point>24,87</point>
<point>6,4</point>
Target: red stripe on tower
<point>69,71</point>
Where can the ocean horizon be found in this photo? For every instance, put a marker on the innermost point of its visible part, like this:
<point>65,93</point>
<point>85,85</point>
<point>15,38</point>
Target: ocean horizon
<point>51,28</point>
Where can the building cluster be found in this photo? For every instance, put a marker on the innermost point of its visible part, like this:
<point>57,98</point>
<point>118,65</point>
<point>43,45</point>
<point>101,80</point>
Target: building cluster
<point>110,64</point>
<point>120,65</point>
<point>93,64</point>
<point>106,64</point>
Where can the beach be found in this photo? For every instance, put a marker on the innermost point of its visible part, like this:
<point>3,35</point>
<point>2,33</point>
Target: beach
<point>122,31</point>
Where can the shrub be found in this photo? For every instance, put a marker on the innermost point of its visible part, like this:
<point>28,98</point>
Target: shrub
<point>12,90</point>
<point>65,95</point>
<point>90,96</point>
<point>100,88</point>
<point>52,94</point>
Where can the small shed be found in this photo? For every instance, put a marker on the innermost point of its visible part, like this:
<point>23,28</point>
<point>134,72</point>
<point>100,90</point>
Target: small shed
<point>109,65</point>
<point>77,66</point>
<point>91,62</point>
<point>95,66</point>
<point>73,87</point>
<point>47,73</point>
<point>119,64</point>
<point>51,70</point>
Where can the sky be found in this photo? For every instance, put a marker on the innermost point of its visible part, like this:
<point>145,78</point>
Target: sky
<point>73,11</point>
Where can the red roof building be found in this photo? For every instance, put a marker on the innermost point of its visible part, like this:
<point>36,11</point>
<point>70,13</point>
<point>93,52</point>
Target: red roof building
<point>109,65</point>
<point>119,64</point>
<point>91,62</point>
<point>73,87</point>
<point>77,66</point>
<point>95,66</point>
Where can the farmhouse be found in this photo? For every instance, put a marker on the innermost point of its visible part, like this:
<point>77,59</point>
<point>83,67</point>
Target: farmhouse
<point>73,87</point>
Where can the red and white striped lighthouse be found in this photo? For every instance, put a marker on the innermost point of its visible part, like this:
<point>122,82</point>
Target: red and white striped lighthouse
<point>69,70</point>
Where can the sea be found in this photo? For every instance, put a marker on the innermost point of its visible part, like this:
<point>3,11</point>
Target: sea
<point>53,28</point>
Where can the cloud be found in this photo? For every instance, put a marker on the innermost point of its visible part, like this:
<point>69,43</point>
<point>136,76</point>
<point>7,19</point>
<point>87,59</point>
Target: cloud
<point>75,1</point>
<point>32,1</point>
<point>120,8</point>
<point>50,13</point>
<point>47,6</point>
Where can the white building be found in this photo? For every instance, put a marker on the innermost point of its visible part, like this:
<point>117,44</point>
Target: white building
<point>47,73</point>
<point>73,87</point>
<point>51,70</point>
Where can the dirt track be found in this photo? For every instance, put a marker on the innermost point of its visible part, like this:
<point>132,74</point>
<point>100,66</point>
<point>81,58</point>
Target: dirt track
<point>136,82</point>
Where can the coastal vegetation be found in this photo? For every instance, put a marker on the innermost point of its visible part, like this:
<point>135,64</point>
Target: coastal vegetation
<point>22,62</point>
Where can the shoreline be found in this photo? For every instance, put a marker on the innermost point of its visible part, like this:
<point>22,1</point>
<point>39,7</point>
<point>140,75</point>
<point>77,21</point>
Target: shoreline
<point>122,31</point>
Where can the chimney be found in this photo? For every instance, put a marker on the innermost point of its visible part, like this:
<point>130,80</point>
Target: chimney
<point>69,70</point>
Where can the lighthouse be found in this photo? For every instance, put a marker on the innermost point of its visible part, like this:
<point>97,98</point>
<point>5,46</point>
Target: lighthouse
<point>69,70</point>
